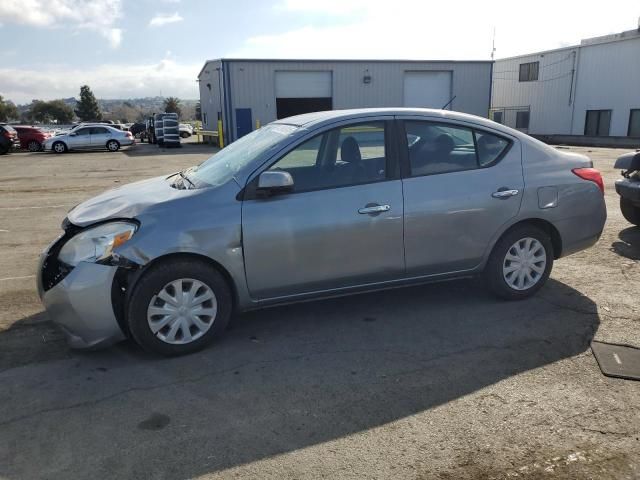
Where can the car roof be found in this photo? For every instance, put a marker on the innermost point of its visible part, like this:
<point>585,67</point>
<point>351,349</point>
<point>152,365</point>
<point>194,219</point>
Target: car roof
<point>317,119</point>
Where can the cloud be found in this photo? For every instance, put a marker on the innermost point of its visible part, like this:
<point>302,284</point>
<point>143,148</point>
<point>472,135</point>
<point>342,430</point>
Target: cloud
<point>96,15</point>
<point>166,77</point>
<point>418,29</point>
<point>164,18</point>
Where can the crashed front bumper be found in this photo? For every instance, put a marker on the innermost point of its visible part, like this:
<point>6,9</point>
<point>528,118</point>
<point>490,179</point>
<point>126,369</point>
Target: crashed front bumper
<point>80,303</point>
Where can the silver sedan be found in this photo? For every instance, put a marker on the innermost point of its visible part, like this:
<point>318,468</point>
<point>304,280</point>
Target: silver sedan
<point>89,137</point>
<point>312,206</point>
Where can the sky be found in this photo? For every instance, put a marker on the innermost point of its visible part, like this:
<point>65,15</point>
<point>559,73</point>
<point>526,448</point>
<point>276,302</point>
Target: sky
<point>138,48</point>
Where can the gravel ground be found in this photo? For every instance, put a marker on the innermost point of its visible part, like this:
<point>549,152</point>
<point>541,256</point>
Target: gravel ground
<point>439,381</point>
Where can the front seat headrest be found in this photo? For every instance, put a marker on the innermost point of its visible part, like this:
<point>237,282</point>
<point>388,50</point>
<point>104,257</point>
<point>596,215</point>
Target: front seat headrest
<point>350,150</point>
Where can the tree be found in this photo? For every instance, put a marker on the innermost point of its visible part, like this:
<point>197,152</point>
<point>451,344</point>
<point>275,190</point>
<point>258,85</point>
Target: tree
<point>8,110</point>
<point>53,111</point>
<point>87,108</point>
<point>172,105</point>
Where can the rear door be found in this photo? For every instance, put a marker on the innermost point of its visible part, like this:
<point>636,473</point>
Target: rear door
<point>461,184</point>
<point>342,224</point>
<point>81,139</point>
<point>99,137</point>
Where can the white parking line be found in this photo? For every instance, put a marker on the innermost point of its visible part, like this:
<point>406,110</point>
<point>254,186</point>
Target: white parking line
<point>43,206</point>
<point>617,359</point>
<point>4,231</point>
<point>17,278</point>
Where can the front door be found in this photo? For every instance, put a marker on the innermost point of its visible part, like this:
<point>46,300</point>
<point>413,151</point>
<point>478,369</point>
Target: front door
<point>461,185</point>
<point>342,224</point>
<point>81,139</point>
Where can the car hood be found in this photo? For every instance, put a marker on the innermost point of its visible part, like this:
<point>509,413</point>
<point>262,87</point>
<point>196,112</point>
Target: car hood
<point>127,201</point>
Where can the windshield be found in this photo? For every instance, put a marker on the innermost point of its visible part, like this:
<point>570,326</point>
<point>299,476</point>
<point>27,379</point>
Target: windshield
<point>222,166</point>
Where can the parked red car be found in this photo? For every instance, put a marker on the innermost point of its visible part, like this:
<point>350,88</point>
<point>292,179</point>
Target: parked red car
<point>31,138</point>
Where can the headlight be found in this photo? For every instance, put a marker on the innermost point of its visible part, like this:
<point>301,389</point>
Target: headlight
<point>96,244</point>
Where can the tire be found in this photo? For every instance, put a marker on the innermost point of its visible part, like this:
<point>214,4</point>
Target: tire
<point>146,301</point>
<point>59,147</point>
<point>34,146</point>
<point>184,135</point>
<point>630,212</point>
<point>113,145</point>
<point>502,275</point>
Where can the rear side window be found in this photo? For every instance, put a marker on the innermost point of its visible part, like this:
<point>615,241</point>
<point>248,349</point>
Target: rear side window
<point>436,148</point>
<point>490,147</point>
<point>98,130</point>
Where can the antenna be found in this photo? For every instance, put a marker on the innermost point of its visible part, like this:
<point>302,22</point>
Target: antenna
<point>493,44</point>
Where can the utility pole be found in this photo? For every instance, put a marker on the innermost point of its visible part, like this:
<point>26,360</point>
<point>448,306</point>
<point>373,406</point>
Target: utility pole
<point>493,44</point>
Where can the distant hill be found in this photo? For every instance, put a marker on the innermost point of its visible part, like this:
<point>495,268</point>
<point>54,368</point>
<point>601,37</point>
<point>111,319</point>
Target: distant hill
<point>132,109</point>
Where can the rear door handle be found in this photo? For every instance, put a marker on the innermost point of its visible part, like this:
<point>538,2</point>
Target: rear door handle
<point>506,193</point>
<point>373,209</point>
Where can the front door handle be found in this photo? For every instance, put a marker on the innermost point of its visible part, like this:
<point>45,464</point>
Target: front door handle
<point>506,193</point>
<point>374,209</point>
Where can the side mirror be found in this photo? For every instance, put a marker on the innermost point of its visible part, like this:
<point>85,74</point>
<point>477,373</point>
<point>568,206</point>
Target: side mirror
<point>275,182</point>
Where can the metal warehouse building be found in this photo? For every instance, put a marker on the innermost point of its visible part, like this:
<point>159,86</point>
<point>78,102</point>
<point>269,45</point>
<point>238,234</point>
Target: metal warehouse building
<point>244,93</point>
<point>590,90</point>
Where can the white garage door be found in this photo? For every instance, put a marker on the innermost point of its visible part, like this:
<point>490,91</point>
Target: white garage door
<point>303,84</point>
<point>427,89</point>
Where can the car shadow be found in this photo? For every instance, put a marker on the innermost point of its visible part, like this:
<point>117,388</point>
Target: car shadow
<point>629,244</point>
<point>282,379</point>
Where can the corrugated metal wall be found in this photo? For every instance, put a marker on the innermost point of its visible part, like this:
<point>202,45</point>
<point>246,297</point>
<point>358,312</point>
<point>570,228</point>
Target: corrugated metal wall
<point>608,79</point>
<point>211,95</point>
<point>549,98</point>
<point>253,84</point>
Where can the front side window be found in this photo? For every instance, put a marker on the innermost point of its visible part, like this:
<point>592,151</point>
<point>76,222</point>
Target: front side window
<point>436,148</point>
<point>597,123</point>
<point>529,71</point>
<point>340,157</point>
<point>82,131</point>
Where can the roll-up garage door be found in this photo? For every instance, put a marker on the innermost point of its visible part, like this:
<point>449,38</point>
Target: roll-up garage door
<point>300,92</point>
<point>427,89</point>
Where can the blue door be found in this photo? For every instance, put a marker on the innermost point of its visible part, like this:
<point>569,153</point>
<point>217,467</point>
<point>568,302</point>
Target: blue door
<point>244,123</point>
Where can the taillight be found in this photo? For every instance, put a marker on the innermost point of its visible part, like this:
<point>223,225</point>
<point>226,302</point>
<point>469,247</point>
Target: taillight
<point>592,175</point>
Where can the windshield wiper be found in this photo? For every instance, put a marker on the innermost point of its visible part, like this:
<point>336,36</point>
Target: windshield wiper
<point>184,177</point>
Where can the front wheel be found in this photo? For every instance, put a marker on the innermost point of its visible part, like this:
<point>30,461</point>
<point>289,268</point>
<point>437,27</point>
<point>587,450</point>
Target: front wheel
<point>630,212</point>
<point>113,146</point>
<point>179,307</point>
<point>59,147</point>
<point>520,263</point>
<point>34,146</point>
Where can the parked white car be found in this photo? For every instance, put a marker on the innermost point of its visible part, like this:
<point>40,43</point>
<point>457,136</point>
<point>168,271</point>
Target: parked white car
<point>89,137</point>
<point>186,130</point>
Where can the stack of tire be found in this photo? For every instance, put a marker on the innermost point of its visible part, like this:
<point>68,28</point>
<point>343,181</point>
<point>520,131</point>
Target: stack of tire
<point>158,128</point>
<point>171,130</point>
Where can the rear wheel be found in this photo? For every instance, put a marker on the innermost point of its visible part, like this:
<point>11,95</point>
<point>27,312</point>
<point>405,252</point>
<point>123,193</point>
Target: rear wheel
<point>34,146</point>
<point>59,147</point>
<point>520,263</point>
<point>113,145</point>
<point>185,134</point>
<point>179,307</point>
<point>630,211</point>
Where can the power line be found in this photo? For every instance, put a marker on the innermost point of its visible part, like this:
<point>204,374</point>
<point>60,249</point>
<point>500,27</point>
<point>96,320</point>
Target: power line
<point>568,57</point>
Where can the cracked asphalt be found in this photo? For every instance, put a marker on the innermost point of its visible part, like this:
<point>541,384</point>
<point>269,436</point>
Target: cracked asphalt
<point>439,381</point>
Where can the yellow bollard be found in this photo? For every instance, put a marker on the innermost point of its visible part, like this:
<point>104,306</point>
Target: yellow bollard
<point>220,134</point>
<point>257,124</point>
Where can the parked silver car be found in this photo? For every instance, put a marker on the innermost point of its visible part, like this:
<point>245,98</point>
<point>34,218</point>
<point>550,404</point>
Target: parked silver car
<point>89,137</point>
<point>312,206</point>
